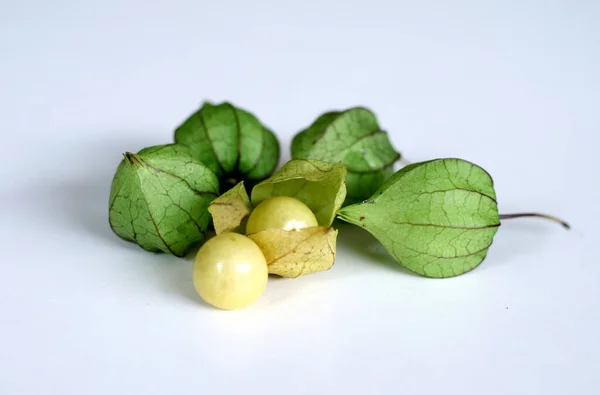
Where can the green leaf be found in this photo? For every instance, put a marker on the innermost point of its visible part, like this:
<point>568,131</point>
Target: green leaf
<point>159,199</point>
<point>230,211</point>
<point>354,138</point>
<point>437,218</point>
<point>231,142</point>
<point>320,185</point>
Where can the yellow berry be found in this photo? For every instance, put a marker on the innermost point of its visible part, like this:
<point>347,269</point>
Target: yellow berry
<point>230,271</point>
<point>280,212</point>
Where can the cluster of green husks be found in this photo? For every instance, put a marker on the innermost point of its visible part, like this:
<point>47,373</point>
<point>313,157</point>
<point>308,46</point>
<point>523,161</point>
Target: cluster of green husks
<point>436,218</point>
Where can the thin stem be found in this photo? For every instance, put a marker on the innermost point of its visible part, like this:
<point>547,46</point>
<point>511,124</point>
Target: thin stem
<point>537,215</point>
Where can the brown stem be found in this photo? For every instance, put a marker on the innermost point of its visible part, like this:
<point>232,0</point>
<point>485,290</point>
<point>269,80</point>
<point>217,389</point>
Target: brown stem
<point>537,215</point>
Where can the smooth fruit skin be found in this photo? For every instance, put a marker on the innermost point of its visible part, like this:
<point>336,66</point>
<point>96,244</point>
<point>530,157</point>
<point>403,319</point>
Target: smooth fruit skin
<point>280,212</point>
<point>230,271</point>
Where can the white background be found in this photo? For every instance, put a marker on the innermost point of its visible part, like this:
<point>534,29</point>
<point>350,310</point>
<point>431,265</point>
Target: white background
<point>512,85</point>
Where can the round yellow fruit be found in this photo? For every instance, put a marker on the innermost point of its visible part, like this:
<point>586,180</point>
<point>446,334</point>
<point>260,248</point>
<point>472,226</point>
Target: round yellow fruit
<point>280,212</point>
<point>230,271</point>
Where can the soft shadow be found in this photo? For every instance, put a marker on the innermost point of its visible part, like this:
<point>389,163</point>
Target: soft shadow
<point>81,205</point>
<point>176,280</point>
<point>81,202</point>
<point>363,244</point>
<point>517,238</point>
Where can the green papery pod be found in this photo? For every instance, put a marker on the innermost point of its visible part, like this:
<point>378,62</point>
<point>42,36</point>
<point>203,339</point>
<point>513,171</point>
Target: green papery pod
<point>159,199</point>
<point>231,142</point>
<point>437,218</point>
<point>355,139</point>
